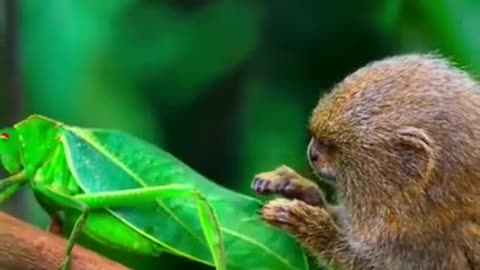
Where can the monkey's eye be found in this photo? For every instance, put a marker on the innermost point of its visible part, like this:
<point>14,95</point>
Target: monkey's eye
<point>320,149</point>
<point>326,147</point>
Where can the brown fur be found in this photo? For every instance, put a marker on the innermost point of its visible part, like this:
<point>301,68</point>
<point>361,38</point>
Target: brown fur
<point>404,140</point>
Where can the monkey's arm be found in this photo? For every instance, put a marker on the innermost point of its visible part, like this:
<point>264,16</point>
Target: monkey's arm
<point>286,182</point>
<point>316,230</point>
<point>471,245</point>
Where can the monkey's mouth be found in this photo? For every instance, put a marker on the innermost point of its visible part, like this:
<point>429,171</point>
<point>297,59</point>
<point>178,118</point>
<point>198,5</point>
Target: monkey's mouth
<point>326,175</point>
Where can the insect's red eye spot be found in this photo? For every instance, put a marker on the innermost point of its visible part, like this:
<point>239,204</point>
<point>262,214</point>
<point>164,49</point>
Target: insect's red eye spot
<point>5,136</point>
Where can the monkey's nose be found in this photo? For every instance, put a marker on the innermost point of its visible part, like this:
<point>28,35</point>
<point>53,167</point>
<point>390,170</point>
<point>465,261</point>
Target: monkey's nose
<point>312,154</point>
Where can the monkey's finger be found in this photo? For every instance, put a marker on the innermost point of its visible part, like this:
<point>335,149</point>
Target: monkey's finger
<point>282,184</point>
<point>276,211</point>
<point>262,186</point>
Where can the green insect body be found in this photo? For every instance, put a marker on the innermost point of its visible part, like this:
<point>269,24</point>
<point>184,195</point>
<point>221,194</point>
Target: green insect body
<point>130,195</point>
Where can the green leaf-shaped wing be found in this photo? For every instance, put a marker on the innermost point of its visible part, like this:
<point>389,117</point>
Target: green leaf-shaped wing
<point>107,160</point>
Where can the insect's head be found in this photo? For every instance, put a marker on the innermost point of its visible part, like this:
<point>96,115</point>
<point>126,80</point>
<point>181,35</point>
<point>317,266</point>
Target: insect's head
<point>10,150</point>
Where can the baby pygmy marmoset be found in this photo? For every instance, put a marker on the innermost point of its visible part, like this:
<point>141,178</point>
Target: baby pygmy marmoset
<point>400,138</point>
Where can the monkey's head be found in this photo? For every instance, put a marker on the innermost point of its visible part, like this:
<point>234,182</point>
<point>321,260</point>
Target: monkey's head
<point>405,128</point>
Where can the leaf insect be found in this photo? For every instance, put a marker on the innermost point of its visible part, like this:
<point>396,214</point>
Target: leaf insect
<point>100,194</point>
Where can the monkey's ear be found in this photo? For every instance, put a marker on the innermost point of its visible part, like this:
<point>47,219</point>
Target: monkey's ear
<point>418,141</point>
<point>414,138</point>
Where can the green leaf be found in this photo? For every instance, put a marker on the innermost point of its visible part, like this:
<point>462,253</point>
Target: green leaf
<point>106,160</point>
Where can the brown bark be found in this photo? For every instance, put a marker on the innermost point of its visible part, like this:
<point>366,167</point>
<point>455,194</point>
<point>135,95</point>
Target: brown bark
<point>23,247</point>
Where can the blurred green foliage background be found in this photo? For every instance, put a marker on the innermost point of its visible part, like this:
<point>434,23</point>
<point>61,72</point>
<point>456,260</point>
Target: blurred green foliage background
<point>226,86</point>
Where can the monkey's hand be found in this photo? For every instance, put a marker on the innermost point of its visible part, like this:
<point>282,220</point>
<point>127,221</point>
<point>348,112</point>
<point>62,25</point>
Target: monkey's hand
<point>289,184</point>
<point>315,228</point>
<point>306,222</point>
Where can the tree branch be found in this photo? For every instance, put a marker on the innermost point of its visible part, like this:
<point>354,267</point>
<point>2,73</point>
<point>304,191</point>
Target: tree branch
<point>22,247</point>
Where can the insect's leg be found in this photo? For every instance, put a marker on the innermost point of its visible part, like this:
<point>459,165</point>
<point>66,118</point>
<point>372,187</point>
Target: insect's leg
<point>212,231</point>
<point>10,185</point>
<point>12,179</point>
<point>68,203</point>
<point>131,197</point>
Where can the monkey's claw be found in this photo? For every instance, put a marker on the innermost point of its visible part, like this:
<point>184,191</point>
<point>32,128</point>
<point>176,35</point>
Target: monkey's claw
<point>277,212</point>
<point>295,216</point>
<point>287,183</point>
<point>281,181</point>
<point>270,186</point>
